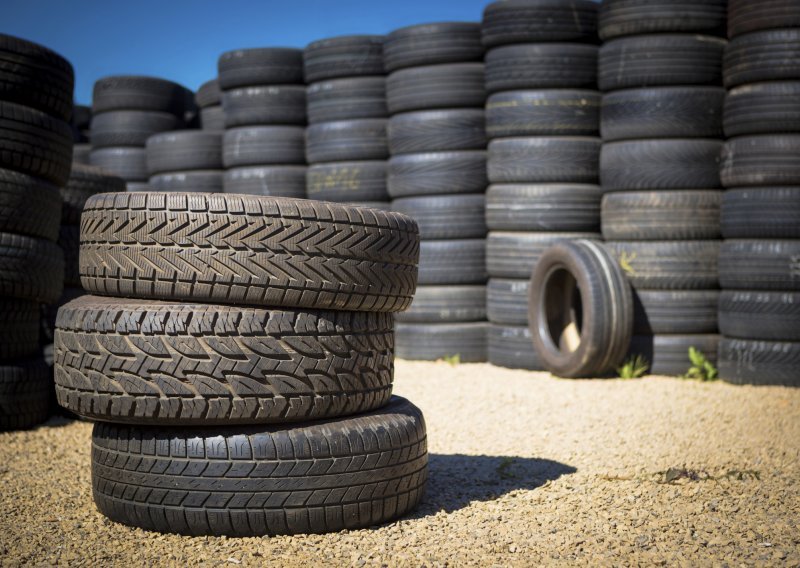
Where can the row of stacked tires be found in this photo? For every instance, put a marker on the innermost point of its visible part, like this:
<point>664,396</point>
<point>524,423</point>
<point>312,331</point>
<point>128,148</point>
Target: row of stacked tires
<point>238,354</point>
<point>759,310</point>
<point>542,120</point>
<point>36,140</point>
<point>660,70</point>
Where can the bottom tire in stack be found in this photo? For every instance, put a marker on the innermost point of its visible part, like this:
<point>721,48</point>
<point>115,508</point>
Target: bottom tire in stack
<point>247,419</point>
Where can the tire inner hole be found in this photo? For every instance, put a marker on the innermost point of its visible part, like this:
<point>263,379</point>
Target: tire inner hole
<point>563,310</point>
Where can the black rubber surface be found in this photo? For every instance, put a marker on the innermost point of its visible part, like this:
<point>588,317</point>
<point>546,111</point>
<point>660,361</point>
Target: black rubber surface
<point>546,112</point>
<point>511,346</point>
<point>263,145</point>
<point>669,354</point>
<point>668,265</point>
<point>543,207</point>
<point>770,55</point>
<point>184,150</point>
<point>507,300</point>
<point>348,181</point>
<point>261,251</point>
<point>443,304</point>
<point>759,264</point>
<point>273,104</point>
<point>348,98</point>
<point>544,159</point>
<point>312,477</point>
<point>69,242</point>
<point>343,56</point>
<point>260,66</point>
<point>85,181</point>
<point>80,153</point>
<point>30,268</point>
<point>761,213</point>
<point>675,311</point>
<point>277,181</point>
<point>128,163</point>
<point>763,108</point>
<point>760,315</point>
<point>208,94</point>
<point>748,362</point>
<point>633,17</point>
<point>20,321</point>
<point>746,16</point>
<point>514,254</point>
<point>437,173</point>
<point>433,341</point>
<point>212,118</point>
<point>451,85</point>
<point>132,92</point>
<point>437,131</point>
<point>29,205</point>
<point>452,261</point>
<point>130,127</point>
<point>347,140</point>
<point>556,65</point>
<point>446,216</point>
<point>26,389</point>
<point>532,21</point>
<point>761,160</point>
<point>430,44</point>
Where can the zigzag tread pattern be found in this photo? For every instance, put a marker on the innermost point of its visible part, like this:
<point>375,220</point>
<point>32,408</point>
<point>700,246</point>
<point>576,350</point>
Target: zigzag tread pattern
<point>248,249</point>
<point>310,478</point>
<point>134,361</point>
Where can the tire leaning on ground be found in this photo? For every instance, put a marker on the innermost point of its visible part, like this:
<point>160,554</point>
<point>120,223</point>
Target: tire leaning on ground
<point>580,310</point>
<point>248,250</point>
<point>311,477</point>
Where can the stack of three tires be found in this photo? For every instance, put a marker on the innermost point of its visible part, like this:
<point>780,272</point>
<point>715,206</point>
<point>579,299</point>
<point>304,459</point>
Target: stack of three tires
<point>35,160</point>
<point>238,355</point>
<point>542,122</point>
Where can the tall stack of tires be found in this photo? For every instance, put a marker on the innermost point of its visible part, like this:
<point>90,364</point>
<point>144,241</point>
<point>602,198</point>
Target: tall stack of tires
<point>36,87</point>
<point>264,106</point>
<point>239,358</point>
<point>208,99</point>
<point>185,160</point>
<point>542,123</point>
<point>759,311</point>
<point>346,137</point>
<point>660,69</point>
<point>126,111</point>
<point>437,175</point>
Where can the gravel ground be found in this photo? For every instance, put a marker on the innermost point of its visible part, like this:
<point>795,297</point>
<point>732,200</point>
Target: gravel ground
<point>525,469</point>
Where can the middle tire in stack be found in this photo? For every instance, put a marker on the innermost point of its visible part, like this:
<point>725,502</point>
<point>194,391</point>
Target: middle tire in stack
<point>267,408</point>
<point>542,120</point>
<point>437,175</point>
<point>660,71</point>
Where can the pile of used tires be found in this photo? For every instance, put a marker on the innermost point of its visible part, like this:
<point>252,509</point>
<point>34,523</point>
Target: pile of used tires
<point>234,400</point>
<point>35,160</point>
<point>437,175</point>
<point>759,310</point>
<point>660,70</point>
<point>542,118</point>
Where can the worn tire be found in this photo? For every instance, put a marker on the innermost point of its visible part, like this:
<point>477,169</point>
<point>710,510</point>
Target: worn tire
<point>546,112</point>
<point>273,252</point>
<point>762,264</point>
<point>437,131</point>
<point>218,365</point>
<point>545,159</point>
<point>556,65</point>
<point>275,181</point>
<point>618,18</point>
<point>85,181</point>
<point>761,160</point>
<point>760,315</point>
<point>770,55</point>
<point>446,216</point>
<point>430,44</point>
<point>184,150</point>
<point>130,127</point>
<point>455,261</point>
<point>260,66</point>
<point>130,92</point>
<point>543,207</point>
<point>311,477</point>
<point>30,268</point>
<point>669,354</point>
<point>434,341</point>
<point>446,304</point>
<point>194,181</point>
<point>20,321</point>
<point>754,362</point>
<point>514,254</point>
<point>347,140</point>
<point>268,105</point>
<point>28,205</point>
<point>527,21</point>
<point>507,300</point>
<point>25,394</point>
<point>661,215</point>
<point>745,16</point>
<point>348,181</point>
<point>761,213</point>
<point>763,108</point>
<point>674,311</point>
<point>451,85</point>
<point>662,112</point>
<point>437,173</point>
<point>678,163</point>
<point>208,94</point>
<point>343,56</point>
<point>668,265</point>
<point>212,118</point>
<point>660,59</point>
<point>346,99</point>
<point>509,346</point>
<point>263,145</point>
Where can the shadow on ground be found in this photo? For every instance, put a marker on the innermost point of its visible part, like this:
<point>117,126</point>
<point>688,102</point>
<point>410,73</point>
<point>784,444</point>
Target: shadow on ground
<point>454,481</point>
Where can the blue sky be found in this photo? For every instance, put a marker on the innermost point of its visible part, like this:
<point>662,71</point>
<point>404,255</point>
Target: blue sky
<point>181,40</point>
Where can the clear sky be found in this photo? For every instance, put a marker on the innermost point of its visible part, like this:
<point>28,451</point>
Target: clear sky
<point>181,40</point>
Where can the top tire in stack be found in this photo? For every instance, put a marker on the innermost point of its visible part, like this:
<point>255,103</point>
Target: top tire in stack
<point>264,106</point>
<point>126,111</point>
<point>660,73</point>
<point>759,311</point>
<point>244,344</point>
<point>208,99</point>
<point>36,87</point>
<point>437,175</point>
<point>542,123</point>
<point>346,137</point>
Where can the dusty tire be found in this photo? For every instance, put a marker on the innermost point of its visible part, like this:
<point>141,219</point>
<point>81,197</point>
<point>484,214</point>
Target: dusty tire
<point>25,394</point>
<point>658,312</point>
<point>453,85</point>
<point>20,321</point>
<point>507,300</point>
<point>763,108</point>
<point>761,213</point>
<point>431,44</point>
<point>437,173</point>
<point>618,18</point>
<point>347,140</point>
<point>343,56</point>
<point>456,261</point>
<point>546,112</point>
<point>526,21</point>
<point>545,159</point>
<point>770,55</point>
<point>514,254</point>
<point>130,127</point>
<point>760,315</point>
<point>347,99</point>
<point>765,160</point>
<point>85,181</point>
<point>30,268</point>
<point>285,475</point>
<point>130,164</point>
<point>446,216</point>
<point>660,59</point>
<point>543,207</point>
<point>275,181</point>
<point>126,92</point>
<point>433,341</point>
<point>260,66</point>
<point>669,354</point>
<point>446,304</point>
<point>348,181</point>
<point>753,362</point>
<point>437,131</point>
<point>662,112</point>
<point>745,16</point>
<point>661,215</point>
<point>218,365</point>
<point>28,205</point>
<point>759,264</point>
<point>668,265</point>
<point>263,145</point>
<point>660,164</point>
<point>541,66</point>
<point>195,181</point>
<point>269,105</point>
<point>509,346</point>
<point>184,150</point>
<point>273,252</point>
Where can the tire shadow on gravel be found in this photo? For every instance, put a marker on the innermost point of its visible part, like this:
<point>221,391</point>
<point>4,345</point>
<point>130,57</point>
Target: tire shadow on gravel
<point>455,481</point>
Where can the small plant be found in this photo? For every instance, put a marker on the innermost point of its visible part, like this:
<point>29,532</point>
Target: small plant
<point>634,367</point>
<point>452,359</point>
<point>625,260</point>
<point>702,369</point>
<point>504,468</point>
